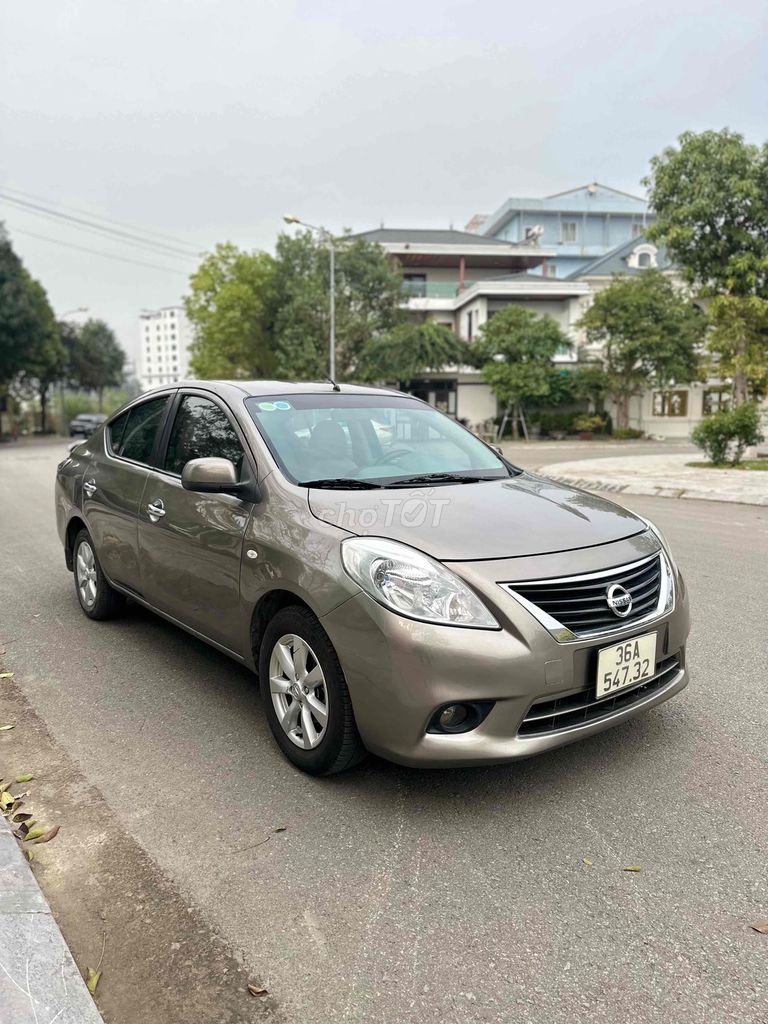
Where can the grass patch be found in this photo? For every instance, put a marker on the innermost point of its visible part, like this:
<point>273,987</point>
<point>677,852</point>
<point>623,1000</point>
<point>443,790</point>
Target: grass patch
<point>759,465</point>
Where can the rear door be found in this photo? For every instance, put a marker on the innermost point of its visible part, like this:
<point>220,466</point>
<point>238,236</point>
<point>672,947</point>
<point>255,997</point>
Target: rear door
<point>113,484</point>
<point>190,544</point>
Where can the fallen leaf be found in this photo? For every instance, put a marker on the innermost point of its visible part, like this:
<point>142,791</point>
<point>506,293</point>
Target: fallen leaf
<point>5,728</point>
<point>587,861</point>
<point>760,926</point>
<point>35,833</point>
<point>6,799</point>
<point>93,980</point>
<point>632,867</point>
<point>282,828</point>
<point>49,835</point>
<point>24,778</point>
<point>6,675</point>
<point>30,854</point>
<point>22,816</point>
<point>256,991</point>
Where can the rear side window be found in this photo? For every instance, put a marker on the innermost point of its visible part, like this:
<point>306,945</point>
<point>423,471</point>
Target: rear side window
<point>202,430</point>
<point>135,437</point>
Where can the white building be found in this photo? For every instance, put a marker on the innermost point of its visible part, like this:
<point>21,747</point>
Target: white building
<point>165,338</point>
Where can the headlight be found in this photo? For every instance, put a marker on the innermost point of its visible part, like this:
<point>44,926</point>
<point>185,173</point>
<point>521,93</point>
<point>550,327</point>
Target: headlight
<point>669,568</point>
<point>411,583</point>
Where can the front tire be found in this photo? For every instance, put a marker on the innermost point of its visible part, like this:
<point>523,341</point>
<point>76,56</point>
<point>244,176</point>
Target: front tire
<point>97,598</point>
<point>305,696</point>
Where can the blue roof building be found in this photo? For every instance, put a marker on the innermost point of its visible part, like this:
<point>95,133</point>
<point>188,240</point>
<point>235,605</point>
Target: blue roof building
<point>581,225</point>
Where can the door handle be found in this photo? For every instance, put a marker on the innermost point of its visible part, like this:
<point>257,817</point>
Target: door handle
<point>90,488</point>
<point>156,510</point>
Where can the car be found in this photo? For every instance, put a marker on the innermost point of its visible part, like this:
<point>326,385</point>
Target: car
<point>424,599</point>
<point>84,424</point>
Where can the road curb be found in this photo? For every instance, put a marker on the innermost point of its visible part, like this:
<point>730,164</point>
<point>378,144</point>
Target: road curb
<point>652,490</point>
<point>39,979</point>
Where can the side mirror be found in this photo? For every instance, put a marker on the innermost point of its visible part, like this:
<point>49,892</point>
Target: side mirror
<point>209,476</point>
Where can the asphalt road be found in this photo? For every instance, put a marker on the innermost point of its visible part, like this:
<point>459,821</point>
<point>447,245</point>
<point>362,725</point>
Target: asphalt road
<point>397,896</point>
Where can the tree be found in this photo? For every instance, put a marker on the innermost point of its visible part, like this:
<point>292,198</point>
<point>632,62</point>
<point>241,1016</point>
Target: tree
<point>710,197</point>
<point>368,303</point>
<point>46,361</point>
<point>738,341</point>
<point>649,334</point>
<point>409,350</point>
<point>19,315</point>
<point>231,306</point>
<point>591,381</point>
<point>97,359</point>
<point>515,350</point>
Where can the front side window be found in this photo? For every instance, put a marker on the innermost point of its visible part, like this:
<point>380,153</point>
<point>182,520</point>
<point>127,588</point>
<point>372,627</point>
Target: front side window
<point>201,430</point>
<point>132,435</point>
<point>369,440</point>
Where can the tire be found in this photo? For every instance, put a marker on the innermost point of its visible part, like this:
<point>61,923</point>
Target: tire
<point>97,598</point>
<point>314,747</point>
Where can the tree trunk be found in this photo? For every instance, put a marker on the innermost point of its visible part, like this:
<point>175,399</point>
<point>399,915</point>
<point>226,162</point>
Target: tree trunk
<point>515,418</point>
<point>740,389</point>
<point>43,409</point>
<point>622,412</point>
<point>100,393</point>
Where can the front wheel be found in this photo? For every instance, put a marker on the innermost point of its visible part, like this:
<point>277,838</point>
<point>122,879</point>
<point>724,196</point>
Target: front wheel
<point>97,598</point>
<point>305,695</point>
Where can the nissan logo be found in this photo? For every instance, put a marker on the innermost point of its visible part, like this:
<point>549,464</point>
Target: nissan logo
<point>619,600</point>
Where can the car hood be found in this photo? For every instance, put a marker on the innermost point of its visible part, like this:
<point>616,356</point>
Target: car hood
<point>523,515</point>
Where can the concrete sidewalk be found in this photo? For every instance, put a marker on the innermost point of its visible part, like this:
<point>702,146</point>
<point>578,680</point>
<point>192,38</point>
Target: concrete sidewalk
<point>39,980</point>
<point>663,476</point>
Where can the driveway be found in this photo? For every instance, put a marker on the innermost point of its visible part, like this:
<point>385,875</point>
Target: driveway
<point>402,897</point>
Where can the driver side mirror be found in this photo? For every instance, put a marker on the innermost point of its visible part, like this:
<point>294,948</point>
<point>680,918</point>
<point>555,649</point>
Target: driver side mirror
<point>210,476</point>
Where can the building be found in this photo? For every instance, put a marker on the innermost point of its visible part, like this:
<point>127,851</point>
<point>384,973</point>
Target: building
<point>461,280</point>
<point>578,226</point>
<point>165,339</point>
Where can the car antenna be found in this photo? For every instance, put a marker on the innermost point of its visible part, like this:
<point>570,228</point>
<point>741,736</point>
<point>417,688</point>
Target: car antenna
<point>333,382</point>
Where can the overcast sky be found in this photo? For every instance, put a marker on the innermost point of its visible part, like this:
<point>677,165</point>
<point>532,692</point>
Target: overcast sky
<point>208,120</point>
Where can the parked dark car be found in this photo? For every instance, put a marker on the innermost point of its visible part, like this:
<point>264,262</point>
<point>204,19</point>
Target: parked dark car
<point>85,424</point>
<point>397,585</point>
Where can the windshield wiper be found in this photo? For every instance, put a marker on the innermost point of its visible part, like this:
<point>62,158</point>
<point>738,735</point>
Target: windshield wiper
<point>439,478</point>
<point>341,483</point>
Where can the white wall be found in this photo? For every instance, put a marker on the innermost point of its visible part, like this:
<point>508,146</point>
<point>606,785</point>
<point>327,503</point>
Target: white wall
<point>475,402</point>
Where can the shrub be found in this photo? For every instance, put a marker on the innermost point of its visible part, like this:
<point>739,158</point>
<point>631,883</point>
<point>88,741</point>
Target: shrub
<point>589,424</point>
<point>628,434</point>
<point>555,422</point>
<point>725,435</point>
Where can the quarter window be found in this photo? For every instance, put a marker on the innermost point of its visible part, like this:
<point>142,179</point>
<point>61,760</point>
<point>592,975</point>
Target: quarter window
<point>132,435</point>
<point>201,430</point>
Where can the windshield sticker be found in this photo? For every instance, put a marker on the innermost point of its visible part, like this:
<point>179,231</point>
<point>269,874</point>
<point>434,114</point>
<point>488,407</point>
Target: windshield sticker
<point>267,406</point>
<point>282,405</point>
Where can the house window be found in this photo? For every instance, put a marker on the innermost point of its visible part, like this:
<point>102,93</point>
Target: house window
<point>568,232</point>
<point>415,285</point>
<point>643,259</point>
<point>637,230</point>
<point>716,400</point>
<point>469,326</point>
<point>670,403</point>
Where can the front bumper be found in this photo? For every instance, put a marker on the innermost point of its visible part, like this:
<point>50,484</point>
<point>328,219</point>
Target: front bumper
<point>399,670</point>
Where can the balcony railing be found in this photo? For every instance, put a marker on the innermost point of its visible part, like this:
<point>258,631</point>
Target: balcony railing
<point>433,289</point>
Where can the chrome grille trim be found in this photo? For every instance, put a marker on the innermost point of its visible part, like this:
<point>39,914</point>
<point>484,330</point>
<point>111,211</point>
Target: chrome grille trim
<point>590,587</point>
<point>548,716</point>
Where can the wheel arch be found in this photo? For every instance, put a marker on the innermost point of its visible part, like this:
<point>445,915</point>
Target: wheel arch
<point>74,526</point>
<point>266,608</point>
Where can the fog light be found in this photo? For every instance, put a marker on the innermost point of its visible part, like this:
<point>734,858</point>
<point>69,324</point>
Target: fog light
<point>453,716</point>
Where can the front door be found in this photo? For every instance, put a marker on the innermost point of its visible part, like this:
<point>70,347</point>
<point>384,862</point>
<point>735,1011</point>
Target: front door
<point>190,544</point>
<point>113,485</point>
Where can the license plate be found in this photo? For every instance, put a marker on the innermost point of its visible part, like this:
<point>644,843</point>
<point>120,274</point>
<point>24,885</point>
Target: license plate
<point>625,664</point>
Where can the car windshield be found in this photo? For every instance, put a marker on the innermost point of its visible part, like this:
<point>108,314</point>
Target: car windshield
<point>352,441</point>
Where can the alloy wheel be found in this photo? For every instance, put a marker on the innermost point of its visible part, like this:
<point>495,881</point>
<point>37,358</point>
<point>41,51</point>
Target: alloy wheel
<point>298,690</point>
<point>86,574</point>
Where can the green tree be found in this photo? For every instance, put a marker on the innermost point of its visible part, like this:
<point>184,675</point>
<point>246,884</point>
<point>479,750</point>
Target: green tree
<point>46,362</point>
<point>368,303</point>
<point>591,381</point>
<point>231,306</point>
<point>19,314</point>
<point>97,359</point>
<point>514,350</point>
<point>710,197</point>
<point>410,349</point>
<point>738,343</point>
<point>649,334</point>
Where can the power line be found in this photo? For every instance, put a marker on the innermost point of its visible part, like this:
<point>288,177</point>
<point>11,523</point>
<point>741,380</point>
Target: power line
<point>85,225</point>
<point>96,216</point>
<point>97,252</point>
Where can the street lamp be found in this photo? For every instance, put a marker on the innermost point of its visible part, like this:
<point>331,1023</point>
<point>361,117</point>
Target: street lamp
<point>327,237</point>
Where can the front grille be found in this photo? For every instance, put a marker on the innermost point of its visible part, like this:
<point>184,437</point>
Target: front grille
<point>548,716</point>
<point>580,603</point>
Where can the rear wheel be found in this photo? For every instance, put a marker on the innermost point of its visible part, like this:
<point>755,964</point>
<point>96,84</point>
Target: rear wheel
<point>305,695</point>
<point>97,598</point>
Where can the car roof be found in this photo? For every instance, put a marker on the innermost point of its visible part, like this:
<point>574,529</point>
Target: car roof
<point>279,387</point>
